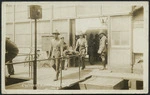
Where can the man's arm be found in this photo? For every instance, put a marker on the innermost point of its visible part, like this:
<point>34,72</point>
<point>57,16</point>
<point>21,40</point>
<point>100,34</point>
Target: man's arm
<point>86,46</point>
<point>77,44</point>
<point>61,49</point>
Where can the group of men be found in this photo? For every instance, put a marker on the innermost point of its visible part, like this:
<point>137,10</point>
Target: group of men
<point>59,49</point>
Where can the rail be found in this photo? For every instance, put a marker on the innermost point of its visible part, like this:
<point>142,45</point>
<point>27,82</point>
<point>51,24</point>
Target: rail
<point>68,57</point>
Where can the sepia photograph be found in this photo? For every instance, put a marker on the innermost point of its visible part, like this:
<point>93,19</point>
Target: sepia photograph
<point>75,47</point>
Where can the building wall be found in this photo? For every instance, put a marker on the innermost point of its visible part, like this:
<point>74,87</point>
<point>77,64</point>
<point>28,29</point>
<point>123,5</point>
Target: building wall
<point>120,43</point>
<point>59,16</point>
<point>138,40</point>
<point>54,16</point>
<point>138,31</point>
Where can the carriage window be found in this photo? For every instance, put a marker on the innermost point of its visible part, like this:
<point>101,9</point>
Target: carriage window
<point>120,38</point>
<point>120,30</point>
<point>116,38</point>
<point>124,38</point>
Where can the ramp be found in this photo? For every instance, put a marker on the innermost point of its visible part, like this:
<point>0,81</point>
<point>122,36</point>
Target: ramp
<point>46,76</point>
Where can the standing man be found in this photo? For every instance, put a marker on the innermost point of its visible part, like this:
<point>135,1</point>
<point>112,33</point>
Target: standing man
<point>96,47</point>
<point>91,49</point>
<point>11,52</point>
<point>103,49</point>
<point>65,50</point>
<point>82,43</point>
<point>56,51</point>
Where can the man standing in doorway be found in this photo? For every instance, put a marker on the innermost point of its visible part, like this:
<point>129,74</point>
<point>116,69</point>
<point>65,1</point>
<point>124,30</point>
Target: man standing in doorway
<point>56,51</point>
<point>96,47</point>
<point>103,49</point>
<point>91,49</point>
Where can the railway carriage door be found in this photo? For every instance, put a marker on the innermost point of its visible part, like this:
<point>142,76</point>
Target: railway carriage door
<point>120,43</point>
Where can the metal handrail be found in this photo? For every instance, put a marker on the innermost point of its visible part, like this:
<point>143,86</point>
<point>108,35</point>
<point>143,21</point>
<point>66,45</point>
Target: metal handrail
<point>40,60</point>
<point>24,54</point>
<point>50,59</point>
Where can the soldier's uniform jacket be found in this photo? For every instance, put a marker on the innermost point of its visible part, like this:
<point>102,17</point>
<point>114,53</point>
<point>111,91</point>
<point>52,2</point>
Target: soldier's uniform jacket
<point>103,43</point>
<point>11,51</point>
<point>82,43</point>
<point>56,46</point>
<point>11,47</point>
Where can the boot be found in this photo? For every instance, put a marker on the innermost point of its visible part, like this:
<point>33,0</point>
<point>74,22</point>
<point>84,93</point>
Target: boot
<point>83,64</point>
<point>104,68</point>
<point>10,68</point>
<point>57,75</point>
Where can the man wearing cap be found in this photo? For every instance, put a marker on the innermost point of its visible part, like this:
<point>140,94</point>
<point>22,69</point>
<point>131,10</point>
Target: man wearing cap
<point>56,51</point>
<point>96,47</point>
<point>82,44</point>
<point>103,49</point>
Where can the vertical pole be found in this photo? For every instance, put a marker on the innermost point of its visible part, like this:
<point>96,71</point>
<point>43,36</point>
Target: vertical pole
<point>29,64</point>
<point>32,66</point>
<point>61,72</point>
<point>79,65</point>
<point>109,42</point>
<point>131,43</point>
<point>14,26</point>
<point>35,59</point>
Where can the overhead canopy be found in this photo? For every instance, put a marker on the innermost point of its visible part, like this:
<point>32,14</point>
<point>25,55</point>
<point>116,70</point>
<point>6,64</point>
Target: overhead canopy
<point>96,31</point>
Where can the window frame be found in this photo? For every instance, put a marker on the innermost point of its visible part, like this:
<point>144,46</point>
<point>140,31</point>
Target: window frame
<point>129,31</point>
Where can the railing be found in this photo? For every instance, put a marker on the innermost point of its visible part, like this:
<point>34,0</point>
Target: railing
<point>31,61</point>
<point>31,57</point>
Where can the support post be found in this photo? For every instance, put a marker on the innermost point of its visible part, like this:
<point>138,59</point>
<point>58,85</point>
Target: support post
<point>61,73</point>
<point>79,67</point>
<point>35,59</point>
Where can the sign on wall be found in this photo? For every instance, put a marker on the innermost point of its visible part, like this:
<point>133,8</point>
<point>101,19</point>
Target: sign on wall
<point>46,43</point>
<point>35,12</point>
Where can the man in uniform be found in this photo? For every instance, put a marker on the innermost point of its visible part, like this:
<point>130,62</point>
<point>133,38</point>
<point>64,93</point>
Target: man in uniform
<point>82,44</point>
<point>56,51</point>
<point>91,49</point>
<point>11,52</point>
<point>103,49</point>
<point>65,51</point>
<point>96,47</point>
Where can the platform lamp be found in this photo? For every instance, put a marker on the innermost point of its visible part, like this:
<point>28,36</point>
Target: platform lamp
<point>35,13</point>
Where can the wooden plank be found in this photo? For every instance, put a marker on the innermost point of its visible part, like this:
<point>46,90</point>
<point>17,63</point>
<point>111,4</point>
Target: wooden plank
<point>101,83</point>
<point>46,76</point>
<point>127,76</point>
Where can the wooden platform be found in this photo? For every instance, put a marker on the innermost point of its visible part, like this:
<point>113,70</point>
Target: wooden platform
<point>70,76</point>
<point>102,83</point>
<point>127,76</point>
<point>47,75</point>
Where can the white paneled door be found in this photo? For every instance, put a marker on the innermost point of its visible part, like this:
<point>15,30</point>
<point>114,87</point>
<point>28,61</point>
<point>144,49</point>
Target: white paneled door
<point>120,42</point>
